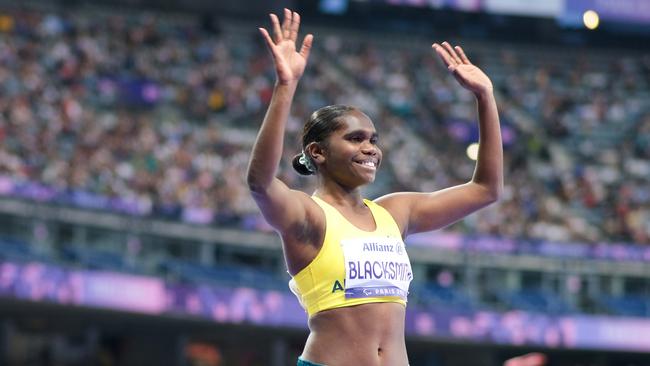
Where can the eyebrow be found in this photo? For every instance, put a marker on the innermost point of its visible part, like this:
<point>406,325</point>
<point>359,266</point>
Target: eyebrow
<point>361,132</point>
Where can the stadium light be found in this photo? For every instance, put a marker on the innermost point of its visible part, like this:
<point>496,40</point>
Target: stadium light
<point>472,151</point>
<point>591,19</point>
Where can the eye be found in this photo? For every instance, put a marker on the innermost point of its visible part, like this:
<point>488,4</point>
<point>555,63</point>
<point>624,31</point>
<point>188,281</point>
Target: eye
<point>374,140</point>
<point>356,138</point>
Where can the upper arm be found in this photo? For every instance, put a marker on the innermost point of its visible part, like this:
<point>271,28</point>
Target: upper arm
<point>285,209</point>
<point>418,212</point>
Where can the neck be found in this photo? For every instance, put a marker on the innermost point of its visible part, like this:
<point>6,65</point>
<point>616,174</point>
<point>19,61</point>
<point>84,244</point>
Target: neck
<point>341,196</point>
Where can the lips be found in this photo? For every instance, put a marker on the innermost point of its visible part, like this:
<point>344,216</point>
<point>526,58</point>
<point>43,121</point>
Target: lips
<point>370,163</point>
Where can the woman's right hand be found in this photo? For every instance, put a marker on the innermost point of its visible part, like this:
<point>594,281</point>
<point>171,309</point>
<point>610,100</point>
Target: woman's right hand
<point>289,63</point>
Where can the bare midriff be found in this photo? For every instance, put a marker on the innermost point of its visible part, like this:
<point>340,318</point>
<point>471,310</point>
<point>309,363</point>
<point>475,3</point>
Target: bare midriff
<point>368,334</point>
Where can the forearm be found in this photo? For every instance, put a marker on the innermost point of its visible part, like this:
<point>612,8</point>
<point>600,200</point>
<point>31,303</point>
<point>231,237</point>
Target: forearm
<point>489,165</point>
<point>267,150</point>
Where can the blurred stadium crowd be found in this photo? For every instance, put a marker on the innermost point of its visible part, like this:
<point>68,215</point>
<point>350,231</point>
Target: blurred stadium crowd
<point>149,115</point>
<point>154,115</point>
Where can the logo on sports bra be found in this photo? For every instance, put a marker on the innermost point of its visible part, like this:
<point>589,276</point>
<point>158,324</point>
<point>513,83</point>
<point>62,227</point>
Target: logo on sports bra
<point>337,286</point>
<point>376,267</point>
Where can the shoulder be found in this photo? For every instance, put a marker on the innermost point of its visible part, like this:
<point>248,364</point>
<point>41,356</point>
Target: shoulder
<point>397,202</point>
<point>398,205</point>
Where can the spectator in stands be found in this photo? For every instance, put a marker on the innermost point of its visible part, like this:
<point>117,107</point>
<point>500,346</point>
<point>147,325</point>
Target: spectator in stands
<point>345,253</point>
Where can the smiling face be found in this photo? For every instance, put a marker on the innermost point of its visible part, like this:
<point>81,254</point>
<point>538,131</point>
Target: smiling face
<point>351,155</point>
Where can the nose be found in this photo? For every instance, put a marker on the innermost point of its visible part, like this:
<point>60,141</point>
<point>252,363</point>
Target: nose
<point>369,148</point>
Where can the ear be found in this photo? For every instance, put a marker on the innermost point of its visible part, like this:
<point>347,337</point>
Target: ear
<point>316,151</point>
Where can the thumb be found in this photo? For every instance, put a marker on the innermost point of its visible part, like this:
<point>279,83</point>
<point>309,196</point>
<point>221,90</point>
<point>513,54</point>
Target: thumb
<point>305,49</point>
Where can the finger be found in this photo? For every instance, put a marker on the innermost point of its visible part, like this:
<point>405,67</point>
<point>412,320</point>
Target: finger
<point>444,55</point>
<point>462,55</point>
<point>535,359</point>
<point>451,51</point>
<point>306,46</point>
<point>267,38</point>
<point>277,31</point>
<point>295,25</point>
<point>531,359</point>
<point>286,24</point>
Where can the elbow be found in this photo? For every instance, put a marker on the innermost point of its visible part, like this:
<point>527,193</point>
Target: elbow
<point>259,179</point>
<point>254,184</point>
<point>257,190</point>
<point>495,193</point>
<point>491,193</point>
<point>252,180</point>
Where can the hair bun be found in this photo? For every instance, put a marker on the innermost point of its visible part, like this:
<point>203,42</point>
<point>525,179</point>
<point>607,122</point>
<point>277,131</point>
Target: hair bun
<point>300,167</point>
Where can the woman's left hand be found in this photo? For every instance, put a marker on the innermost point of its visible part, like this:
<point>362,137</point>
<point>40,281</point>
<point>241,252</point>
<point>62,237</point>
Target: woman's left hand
<point>531,359</point>
<point>467,74</point>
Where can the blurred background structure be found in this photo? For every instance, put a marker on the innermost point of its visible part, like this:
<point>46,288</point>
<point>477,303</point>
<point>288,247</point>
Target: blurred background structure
<point>128,237</point>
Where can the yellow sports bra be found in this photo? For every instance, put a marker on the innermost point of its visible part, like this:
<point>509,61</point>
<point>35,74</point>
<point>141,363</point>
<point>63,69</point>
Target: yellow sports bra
<point>355,266</point>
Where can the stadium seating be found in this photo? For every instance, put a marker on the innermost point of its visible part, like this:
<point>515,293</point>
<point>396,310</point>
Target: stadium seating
<point>139,126</point>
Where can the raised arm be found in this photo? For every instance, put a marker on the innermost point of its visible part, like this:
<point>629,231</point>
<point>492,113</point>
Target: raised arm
<point>278,203</point>
<point>418,212</point>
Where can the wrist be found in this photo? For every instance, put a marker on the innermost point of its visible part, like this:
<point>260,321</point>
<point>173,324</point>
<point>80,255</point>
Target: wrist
<point>285,85</point>
<point>288,82</point>
<point>485,93</point>
<point>284,91</point>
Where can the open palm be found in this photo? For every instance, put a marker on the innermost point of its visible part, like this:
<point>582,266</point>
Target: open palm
<point>467,74</point>
<point>289,63</point>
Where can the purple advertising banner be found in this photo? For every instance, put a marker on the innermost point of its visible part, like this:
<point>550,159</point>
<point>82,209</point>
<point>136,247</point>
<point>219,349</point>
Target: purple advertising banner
<point>524,328</point>
<point>150,295</point>
<point>122,291</point>
<point>466,243</point>
<point>636,11</point>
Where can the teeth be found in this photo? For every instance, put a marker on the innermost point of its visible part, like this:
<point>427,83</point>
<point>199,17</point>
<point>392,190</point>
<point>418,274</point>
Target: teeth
<point>369,163</point>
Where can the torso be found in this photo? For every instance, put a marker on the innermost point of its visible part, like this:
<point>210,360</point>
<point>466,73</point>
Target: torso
<point>368,334</point>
